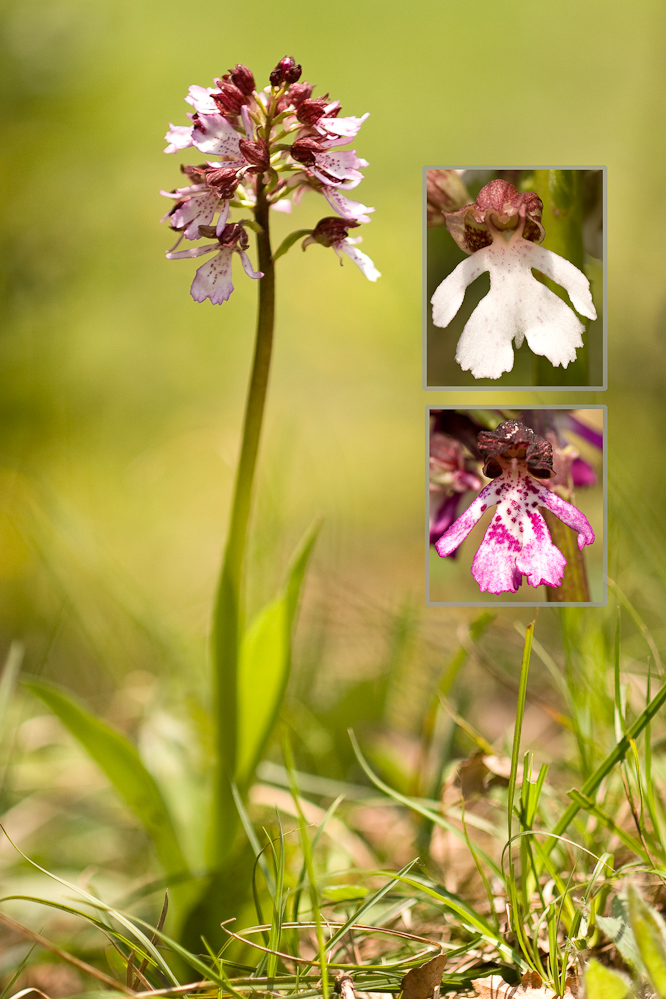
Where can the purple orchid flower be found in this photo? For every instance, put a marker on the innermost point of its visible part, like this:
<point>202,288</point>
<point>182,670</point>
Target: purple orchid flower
<point>517,542</point>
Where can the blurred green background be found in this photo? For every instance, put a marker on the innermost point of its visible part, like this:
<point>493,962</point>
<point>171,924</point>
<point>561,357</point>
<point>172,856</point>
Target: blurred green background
<point>121,398</point>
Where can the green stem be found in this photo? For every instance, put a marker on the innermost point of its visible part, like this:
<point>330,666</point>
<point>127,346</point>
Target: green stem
<point>229,605</point>
<point>562,194</point>
<point>574,587</point>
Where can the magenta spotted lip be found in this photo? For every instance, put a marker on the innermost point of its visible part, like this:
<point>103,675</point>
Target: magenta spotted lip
<point>517,542</point>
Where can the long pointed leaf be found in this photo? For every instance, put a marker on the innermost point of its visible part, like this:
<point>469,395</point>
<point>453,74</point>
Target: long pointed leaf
<point>265,661</point>
<point>122,765</point>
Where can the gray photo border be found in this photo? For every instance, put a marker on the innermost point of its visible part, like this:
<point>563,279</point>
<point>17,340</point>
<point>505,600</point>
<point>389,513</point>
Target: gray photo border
<point>486,603</point>
<point>424,292</point>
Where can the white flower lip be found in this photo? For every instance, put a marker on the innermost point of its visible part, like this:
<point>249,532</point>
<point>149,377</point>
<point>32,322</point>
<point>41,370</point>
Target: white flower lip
<point>517,307</point>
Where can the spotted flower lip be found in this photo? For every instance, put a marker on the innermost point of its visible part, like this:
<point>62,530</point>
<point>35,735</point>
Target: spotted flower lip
<point>518,307</point>
<point>517,542</point>
<point>213,279</point>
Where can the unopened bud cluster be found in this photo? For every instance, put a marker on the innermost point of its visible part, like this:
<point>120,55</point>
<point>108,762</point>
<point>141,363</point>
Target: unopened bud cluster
<point>268,147</point>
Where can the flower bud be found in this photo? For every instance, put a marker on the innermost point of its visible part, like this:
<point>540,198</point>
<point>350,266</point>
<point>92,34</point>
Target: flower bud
<point>304,150</point>
<point>223,180</point>
<point>255,153</point>
<point>230,99</point>
<point>242,78</point>
<point>310,111</point>
<point>286,71</point>
<point>331,230</point>
<point>299,92</point>
<point>445,192</point>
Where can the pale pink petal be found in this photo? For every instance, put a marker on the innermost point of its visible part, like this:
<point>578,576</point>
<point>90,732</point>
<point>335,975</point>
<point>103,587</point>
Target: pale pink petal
<point>449,296</point>
<point>459,530</point>
<point>216,137</point>
<point>362,260</point>
<point>247,123</point>
<point>200,99</point>
<point>540,561</point>
<point>178,137</point>
<point>184,192</point>
<point>283,205</point>
<point>224,215</point>
<point>345,128</point>
<point>344,206</point>
<point>196,211</point>
<point>213,279</point>
<point>194,251</point>
<point>247,266</point>
<point>567,513</point>
<point>343,164</point>
<point>564,273</point>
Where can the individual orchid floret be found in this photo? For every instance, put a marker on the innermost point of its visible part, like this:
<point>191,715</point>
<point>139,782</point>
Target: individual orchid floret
<point>196,205</point>
<point>213,279</point>
<point>517,542</point>
<point>501,232</point>
<point>451,475</point>
<point>332,231</point>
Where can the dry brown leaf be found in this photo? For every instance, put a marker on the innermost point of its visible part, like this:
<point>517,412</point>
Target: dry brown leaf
<point>421,982</point>
<point>480,772</point>
<point>531,987</point>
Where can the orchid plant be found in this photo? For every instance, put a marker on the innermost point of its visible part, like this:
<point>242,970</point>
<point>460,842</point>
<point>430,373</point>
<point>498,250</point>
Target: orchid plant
<point>517,542</point>
<point>263,149</point>
<point>501,232</point>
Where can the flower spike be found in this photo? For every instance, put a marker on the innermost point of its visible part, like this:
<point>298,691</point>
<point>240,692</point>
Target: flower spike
<point>270,145</point>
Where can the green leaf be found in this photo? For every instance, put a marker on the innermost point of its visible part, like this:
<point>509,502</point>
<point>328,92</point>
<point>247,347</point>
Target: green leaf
<point>287,243</point>
<point>605,983</point>
<point>265,661</point>
<point>122,765</point>
<point>650,935</point>
<point>616,927</point>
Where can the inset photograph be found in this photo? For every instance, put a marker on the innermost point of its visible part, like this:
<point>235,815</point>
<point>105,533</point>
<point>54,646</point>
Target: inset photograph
<point>514,277</point>
<point>516,506</point>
